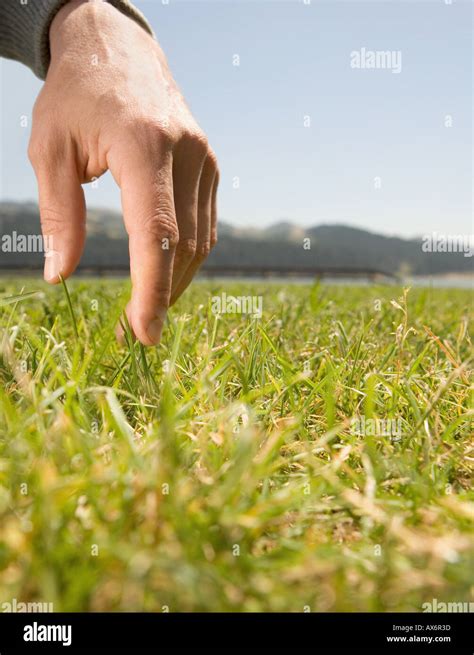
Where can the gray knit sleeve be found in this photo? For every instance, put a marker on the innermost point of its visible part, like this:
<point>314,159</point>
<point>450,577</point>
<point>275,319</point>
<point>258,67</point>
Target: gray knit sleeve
<point>24,29</point>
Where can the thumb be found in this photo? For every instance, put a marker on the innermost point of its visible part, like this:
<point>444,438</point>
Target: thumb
<point>62,213</point>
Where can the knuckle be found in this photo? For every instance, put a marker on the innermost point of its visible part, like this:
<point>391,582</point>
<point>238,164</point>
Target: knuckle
<point>161,225</point>
<point>37,150</point>
<point>214,239</point>
<point>202,251</point>
<point>156,132</point>
<point>213,160</point>
<point>165,136</point>
<point>186,248</point>
<point>161,292</point>
<point>199,143</point>
<point>44,146</point>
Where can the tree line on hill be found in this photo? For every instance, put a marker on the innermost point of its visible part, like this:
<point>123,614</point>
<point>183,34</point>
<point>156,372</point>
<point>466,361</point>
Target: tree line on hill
<point>280,246</point>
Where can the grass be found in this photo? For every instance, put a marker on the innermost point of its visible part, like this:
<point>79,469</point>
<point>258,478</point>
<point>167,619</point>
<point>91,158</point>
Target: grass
<point>223,471</point>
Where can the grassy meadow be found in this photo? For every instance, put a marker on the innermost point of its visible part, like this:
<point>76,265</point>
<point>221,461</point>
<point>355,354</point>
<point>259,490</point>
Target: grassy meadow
<point>318,458</point>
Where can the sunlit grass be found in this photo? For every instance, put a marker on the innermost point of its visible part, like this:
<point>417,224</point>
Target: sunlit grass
<point>222,471</point>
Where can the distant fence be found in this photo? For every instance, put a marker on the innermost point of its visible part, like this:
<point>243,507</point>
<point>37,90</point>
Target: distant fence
<point>232,271</point>
<point>292,271</point>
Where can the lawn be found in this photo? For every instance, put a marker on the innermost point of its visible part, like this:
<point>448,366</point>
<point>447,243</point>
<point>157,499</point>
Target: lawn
<point>317,458</point>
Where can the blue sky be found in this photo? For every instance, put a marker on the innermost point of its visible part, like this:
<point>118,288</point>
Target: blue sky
<point>377,153</point>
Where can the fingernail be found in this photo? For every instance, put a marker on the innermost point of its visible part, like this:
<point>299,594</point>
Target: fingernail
<point>52,265</point>
<point>155,328</point>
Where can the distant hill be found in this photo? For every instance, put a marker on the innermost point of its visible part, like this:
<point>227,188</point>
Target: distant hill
<point>281,245</point>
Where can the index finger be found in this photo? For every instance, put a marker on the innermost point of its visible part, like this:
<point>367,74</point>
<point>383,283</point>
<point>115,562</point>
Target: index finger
<point>150,220</point>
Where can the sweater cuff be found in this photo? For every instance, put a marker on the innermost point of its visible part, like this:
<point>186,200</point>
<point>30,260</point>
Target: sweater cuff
<point>24,29</point>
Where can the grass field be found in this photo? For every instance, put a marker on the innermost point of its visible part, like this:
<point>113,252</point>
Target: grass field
<point>240,465</point>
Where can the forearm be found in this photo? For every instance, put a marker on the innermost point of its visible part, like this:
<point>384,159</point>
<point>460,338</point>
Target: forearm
<point>24,29</point>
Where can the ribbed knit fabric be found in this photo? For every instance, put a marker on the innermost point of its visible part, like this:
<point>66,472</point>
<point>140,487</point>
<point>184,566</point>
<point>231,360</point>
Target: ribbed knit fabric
<point>24,29</point>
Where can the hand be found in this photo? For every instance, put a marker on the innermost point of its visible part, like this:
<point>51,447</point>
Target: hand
<point>109,102</point>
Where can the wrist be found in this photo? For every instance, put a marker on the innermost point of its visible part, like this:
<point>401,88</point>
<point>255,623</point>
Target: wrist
<point>74,21</point>
<point>88,13</point>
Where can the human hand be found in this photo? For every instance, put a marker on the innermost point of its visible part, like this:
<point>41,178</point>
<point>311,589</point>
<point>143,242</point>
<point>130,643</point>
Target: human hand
<point>109,102</point>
